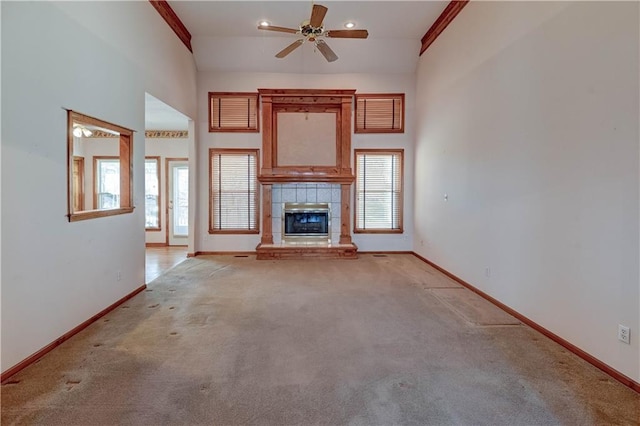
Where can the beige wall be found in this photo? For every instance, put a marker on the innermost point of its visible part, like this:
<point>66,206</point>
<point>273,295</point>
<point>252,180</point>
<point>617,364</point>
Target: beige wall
<point>527,118</point>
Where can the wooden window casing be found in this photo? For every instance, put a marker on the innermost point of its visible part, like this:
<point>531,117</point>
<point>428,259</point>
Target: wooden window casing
<point>379,190</point>
<point>234,204</point>
<point>379,113</point>
<point>233,112</point>
<point>78,183</point>
<point>125,140</point>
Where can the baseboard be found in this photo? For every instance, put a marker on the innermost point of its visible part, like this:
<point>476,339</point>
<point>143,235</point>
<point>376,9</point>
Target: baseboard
<point>386,252</point>
<point>223,253</point>
<point>42,352</point>
<point>191,254</point>
<point>625,380</point>
<point>155,244</point>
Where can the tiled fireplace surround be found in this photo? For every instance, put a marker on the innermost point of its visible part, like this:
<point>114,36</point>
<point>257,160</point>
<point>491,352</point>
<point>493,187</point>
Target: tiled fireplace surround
<point>305,193</point>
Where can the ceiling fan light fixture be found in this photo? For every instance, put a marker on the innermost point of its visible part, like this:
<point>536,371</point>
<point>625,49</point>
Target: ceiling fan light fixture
<point>80,131</point>
<point>313,31</point>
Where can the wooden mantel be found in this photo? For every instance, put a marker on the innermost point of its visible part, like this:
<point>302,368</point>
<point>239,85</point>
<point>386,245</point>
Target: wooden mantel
<point>337,102</point>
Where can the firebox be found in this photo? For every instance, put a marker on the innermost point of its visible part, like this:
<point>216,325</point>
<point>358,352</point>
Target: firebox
<point>306,221</point>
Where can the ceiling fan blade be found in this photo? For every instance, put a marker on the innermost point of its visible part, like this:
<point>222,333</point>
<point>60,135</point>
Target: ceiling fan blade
<point>326,51</point>
<point>279,29</point>
<point>317,15</point>
<point>290,48</point>
<point>348,33</point>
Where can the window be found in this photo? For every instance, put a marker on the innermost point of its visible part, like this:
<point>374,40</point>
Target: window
<point>379,113</point>
<point>233,112</point>
<point>378,194</point>
<point>112,173</point>
<point>233,191</point>
<point>107,183</point>
<point>152,193</point>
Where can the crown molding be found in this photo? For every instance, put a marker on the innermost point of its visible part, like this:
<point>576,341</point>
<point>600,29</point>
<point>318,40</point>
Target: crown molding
<point>445,18</point>
<point>174,22</point>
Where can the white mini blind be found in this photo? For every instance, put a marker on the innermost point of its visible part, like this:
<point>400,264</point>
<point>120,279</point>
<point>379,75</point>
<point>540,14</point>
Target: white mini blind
<point>233,112</point>
<point>379,191</point>
<point>234,191</point>
<point>379,113</point>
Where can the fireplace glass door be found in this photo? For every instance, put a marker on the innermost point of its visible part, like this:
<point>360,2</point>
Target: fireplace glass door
<point>306,221</point>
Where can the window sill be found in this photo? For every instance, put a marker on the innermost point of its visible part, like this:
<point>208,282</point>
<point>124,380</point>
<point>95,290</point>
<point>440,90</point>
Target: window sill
<point>378,131</point>
<point>93,214</point>
<point>378,231</point>
<point>234,231</point>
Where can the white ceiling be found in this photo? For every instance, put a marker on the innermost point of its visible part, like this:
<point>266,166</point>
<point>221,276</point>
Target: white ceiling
<point>225,35</point>
<point>160,116</point>
<point>225,38</point>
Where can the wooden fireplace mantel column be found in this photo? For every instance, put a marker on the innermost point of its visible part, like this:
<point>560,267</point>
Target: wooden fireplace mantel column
<point>267,225</point>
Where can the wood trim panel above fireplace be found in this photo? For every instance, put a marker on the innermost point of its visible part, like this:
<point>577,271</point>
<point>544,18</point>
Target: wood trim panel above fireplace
<point>306,101</point>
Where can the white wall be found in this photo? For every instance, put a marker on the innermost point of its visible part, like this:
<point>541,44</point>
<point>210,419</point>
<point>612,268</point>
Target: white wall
<point>250,82</point>
<point>164,148</point>
<point>98,58</point>
<point>527,117</point>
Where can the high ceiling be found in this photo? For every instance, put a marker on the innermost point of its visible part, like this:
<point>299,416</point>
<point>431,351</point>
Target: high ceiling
<point>160,116</point>
<point>225,35</point>
<point>225,38</point>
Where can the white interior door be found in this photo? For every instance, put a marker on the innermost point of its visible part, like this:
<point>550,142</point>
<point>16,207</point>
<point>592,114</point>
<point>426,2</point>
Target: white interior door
<point>178,202</point>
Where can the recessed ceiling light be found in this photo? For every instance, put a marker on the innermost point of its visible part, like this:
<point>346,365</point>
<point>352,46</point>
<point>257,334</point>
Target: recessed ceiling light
<point>264,23</point>
<point>350,25</point>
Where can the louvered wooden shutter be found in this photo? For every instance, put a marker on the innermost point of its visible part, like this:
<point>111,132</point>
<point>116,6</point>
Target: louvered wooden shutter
<point>378,191</point>
<point>379,113</point>
<point>233,112</point>
<point>234,191</point>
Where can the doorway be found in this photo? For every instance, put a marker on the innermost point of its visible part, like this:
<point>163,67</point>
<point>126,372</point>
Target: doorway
<point>177,201</point>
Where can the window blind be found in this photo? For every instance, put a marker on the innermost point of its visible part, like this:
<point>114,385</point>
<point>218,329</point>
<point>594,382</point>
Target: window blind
<point>233,112</point>
<point>378,190</point>
<point>234,191</point>
<point>379,113</point>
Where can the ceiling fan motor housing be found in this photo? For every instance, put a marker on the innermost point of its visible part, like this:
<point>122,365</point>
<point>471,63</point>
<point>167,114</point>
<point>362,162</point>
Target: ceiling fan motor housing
<point>311,33</point>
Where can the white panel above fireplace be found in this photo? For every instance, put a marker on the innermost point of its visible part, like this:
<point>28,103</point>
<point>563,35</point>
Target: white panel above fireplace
<point>306,139</point>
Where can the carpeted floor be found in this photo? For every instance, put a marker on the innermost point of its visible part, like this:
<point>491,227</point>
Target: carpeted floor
<point>222,340</point>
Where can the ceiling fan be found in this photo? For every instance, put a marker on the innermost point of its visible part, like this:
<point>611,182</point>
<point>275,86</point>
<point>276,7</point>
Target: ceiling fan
<point>313,31</point>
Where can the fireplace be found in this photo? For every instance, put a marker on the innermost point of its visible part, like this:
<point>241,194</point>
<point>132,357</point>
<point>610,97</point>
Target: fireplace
<point>291,174</point>
<point>306,221</point>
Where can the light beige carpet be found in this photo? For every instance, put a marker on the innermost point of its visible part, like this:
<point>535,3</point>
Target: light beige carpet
<point>374,341</point>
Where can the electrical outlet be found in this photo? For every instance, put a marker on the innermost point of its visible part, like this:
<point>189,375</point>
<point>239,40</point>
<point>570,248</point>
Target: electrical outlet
<point>487,272</point>
<point>624,334</point>
<point>118,276</point>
